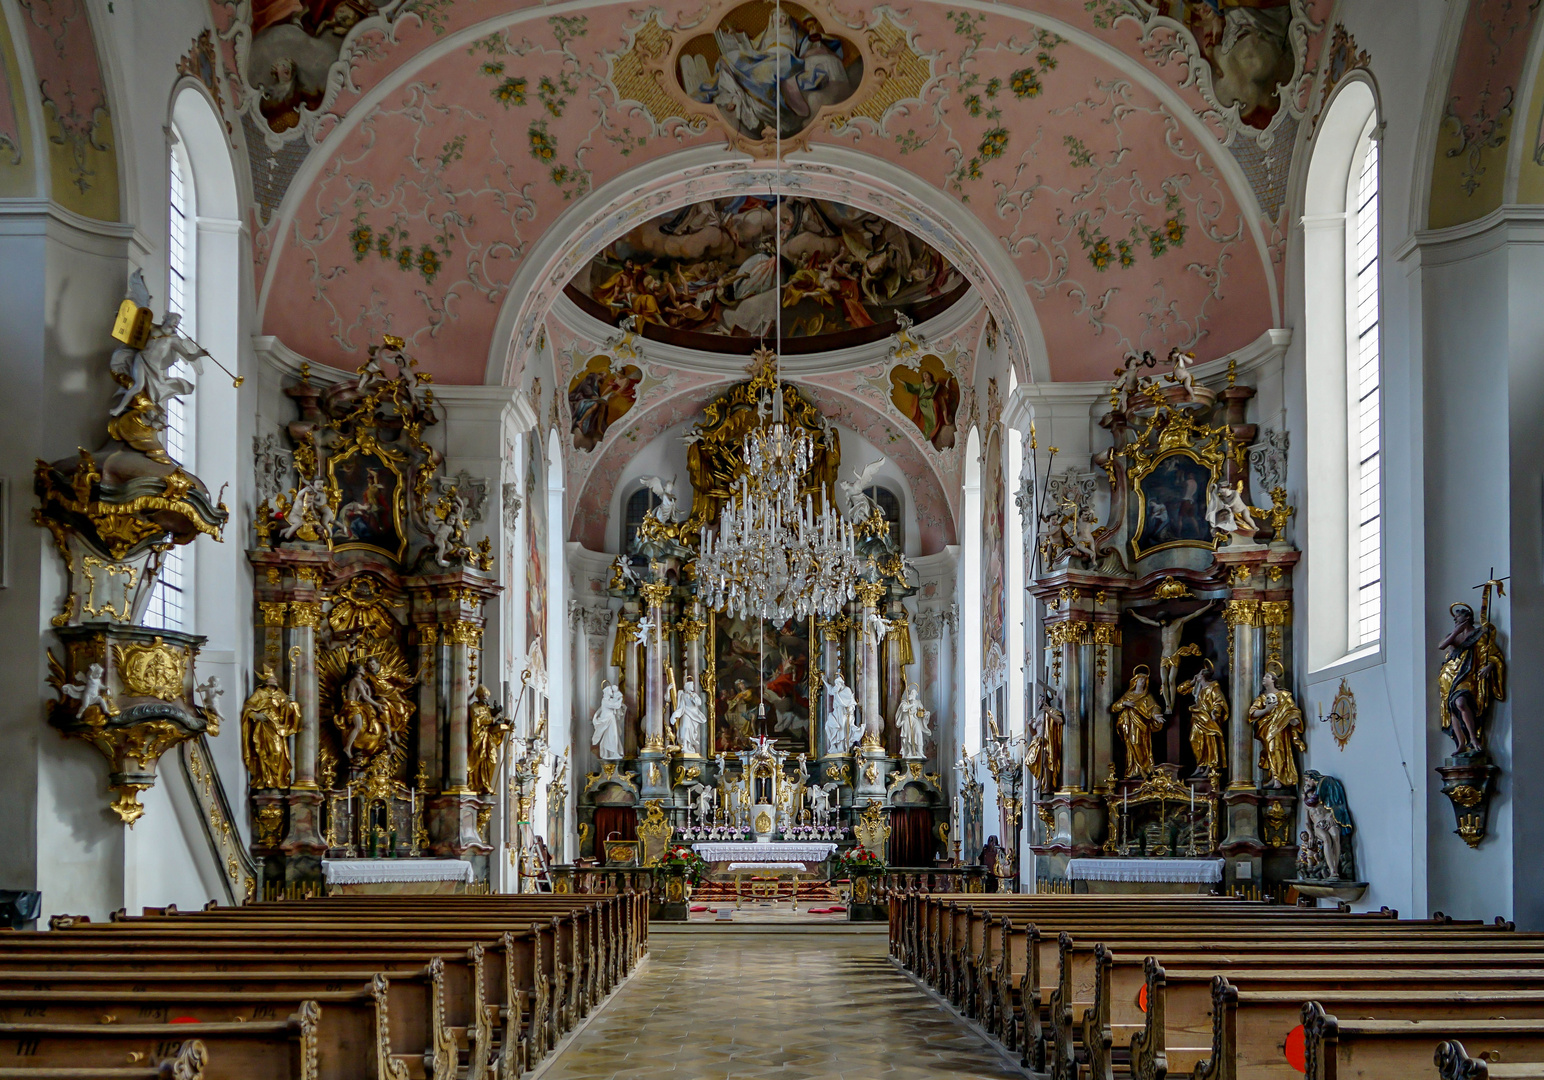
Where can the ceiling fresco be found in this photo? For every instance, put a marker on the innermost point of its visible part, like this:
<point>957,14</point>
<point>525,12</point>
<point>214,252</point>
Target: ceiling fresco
<point>725,275</point>
<point>1107,176</point>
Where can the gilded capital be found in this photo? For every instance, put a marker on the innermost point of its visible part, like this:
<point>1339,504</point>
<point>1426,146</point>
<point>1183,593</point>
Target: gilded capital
<point>463,632</point>
<point>273,613</point>
<point>871,592</point>
<point>305,613</point>
<point>655,593</point>
<point>1243,613</point>
<point>1066,632</point>
<point>691,629</point>
<point>1275,612</point>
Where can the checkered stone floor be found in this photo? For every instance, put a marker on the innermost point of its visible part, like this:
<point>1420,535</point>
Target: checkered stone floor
<point>784,1006</point>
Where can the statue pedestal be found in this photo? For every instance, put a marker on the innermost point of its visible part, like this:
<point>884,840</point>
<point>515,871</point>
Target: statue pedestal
<point>454,819</point>
<point>1467,780</point>
<point>1349,891</point>
<point>654,774</point>
<point>873,767</point>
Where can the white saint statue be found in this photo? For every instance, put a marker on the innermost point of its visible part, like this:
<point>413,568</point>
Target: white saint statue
<point>607,724</point>
<point>1227,512</point>
<point>842,729</point>
<point>690,717</point>
<point>911,719</point>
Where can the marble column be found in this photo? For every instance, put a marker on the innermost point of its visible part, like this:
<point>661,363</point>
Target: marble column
<point>653,762</point>
<point>1107,646</point>
<point>1068,638</point>
<point>461,637</point>
<point>870,593</point>
<point>305,798</point>
<point>429,765</point>
<point>692,627</point>
<point>1242,798</point>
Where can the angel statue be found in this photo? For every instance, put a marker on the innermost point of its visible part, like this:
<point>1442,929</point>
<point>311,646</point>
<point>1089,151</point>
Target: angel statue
<point>1473,675</point>
<point>1182,374</point>
<point>312,508</point>
<point>1278,724</point>
<point>911,719</point>
<point>842,729</point>
<point>665,492</point>
<point>704,796</point>
<point>447,521</point>
<point>88,689</point>
<point>1044,754</point>
<point>1076,526</point>
<point>1329,822</point>
<point>1208,720</point>
<point>1136,718</point>
<point>820,801</point>
<point>877,627</point>
<point>268,719</point>
<point>690,717</point>
<point>1227,512</point>
<point>859,506</point>
<point>607,724</point>
<point>145,379</point>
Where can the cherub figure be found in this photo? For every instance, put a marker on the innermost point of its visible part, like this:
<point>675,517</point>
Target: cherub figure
<point>859,506</point>
<point>87,689</point>
<point>1181,373</point>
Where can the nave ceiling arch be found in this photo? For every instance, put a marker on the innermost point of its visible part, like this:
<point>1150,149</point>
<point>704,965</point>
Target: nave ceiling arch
<point>1084,139</point>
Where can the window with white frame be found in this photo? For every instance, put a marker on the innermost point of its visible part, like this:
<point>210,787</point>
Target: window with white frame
<point>168,602</point>
<point>1364,412</point>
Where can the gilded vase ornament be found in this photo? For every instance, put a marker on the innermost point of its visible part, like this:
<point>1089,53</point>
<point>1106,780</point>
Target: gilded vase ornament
<point>1137,718</point>
<point>268,719</point>
<point>488,728</point>
<point>1044,754</point>
<point>1208,720</point>
<point>1278,724</point>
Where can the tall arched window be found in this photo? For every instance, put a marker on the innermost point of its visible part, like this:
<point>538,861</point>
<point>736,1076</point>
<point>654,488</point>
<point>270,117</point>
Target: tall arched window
<point>1363,384</point>
<point>639,503</point>
<point>890,505</point>
<point>1343,374</point>
<point>167,608</point>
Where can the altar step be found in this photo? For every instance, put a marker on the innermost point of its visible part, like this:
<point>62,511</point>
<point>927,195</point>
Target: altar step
<point>752,886</point>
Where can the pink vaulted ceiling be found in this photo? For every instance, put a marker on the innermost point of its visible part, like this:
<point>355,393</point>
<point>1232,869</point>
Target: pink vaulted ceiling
<point>1093,159</point>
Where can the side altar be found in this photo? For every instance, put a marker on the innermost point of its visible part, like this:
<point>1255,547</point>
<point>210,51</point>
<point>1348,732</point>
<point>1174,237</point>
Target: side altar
<point>1166,727</point>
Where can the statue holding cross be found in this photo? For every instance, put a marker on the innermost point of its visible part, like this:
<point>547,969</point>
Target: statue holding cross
<point>1473,671</point>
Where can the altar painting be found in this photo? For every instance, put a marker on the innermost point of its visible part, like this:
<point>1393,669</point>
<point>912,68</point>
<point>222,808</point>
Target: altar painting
<point>1169,505</point>
<point>746,653</point>
<point>769,69</point>
<point>367,488</point>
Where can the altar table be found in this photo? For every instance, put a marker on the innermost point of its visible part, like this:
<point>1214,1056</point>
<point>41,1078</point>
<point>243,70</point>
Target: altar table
<point>1155,875</point>
<point>395,876</point>
<point>793,858</point>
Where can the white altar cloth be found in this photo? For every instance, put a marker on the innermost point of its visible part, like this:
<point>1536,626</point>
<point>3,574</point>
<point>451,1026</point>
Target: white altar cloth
<point>375,871</point>
<point>1179,870</point>
<point>749,851</point>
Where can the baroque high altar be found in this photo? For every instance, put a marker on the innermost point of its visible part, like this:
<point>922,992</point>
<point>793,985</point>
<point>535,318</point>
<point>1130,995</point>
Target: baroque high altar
<point>726,727</point>
<point>1167,726</point>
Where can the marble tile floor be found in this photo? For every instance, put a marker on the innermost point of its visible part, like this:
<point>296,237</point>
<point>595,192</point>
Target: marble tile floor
<point>789,1007</point>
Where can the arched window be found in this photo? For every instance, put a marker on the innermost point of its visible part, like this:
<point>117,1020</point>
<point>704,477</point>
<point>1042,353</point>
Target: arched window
<point>167,608</point>
<point>639,503</point>
<point>890,505</point>
<point>1343,372</point>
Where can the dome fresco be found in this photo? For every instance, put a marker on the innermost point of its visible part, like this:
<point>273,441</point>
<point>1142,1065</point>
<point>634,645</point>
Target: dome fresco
<point>715,274</point>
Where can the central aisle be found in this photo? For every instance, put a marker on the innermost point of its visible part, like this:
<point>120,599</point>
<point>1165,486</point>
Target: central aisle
<point>791,1006</point>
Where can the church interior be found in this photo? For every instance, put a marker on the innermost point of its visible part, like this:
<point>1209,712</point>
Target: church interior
<point>956,539</point>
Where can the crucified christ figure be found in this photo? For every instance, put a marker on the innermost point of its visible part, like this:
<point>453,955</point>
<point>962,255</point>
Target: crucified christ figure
<point>1169,631</point>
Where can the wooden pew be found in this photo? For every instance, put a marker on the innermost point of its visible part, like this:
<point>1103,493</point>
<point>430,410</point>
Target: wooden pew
<point>1454,1063</point>
<point>265,1050</point>
<point>1337,1049</point>
<point>186,1063</point>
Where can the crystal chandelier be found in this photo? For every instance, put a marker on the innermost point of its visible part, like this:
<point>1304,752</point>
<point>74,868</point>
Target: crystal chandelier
<point>773,555</point>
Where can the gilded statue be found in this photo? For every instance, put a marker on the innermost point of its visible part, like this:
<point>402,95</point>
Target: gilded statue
<point>1278,724</point>
<point>268,719</point>
<point>487,727</point>
<point>1473,675</point>
<point>1137,717</point>
<point>374,709</point>
<point>1044,754</point>
<point>1208,720</point>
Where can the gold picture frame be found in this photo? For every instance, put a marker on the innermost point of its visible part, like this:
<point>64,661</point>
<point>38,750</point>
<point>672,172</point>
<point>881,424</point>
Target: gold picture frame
<point>361,446</point>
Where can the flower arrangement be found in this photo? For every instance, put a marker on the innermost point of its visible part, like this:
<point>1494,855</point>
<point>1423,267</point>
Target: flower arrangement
<point>694,866</point>
<point>859,860</point>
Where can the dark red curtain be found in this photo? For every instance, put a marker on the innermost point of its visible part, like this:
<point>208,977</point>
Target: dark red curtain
<point>621,820</point>
<point>911,837</point>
